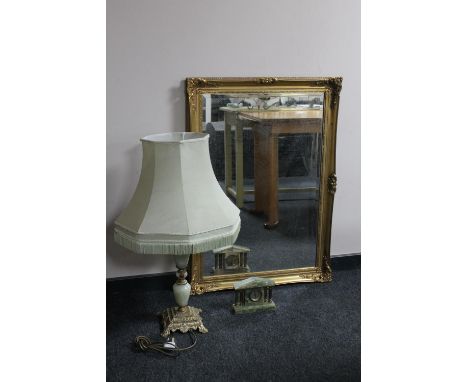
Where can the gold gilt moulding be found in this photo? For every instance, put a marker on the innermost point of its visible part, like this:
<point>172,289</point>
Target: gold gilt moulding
<point>239,112</point>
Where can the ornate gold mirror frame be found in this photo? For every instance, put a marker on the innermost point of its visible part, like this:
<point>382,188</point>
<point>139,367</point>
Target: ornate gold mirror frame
<point>331,87</point>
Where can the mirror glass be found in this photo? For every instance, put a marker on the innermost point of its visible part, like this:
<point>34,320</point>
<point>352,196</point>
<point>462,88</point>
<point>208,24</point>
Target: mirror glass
<point>266,154</point>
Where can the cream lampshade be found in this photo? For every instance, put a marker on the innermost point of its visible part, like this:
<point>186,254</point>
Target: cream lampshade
<point>178,208</point>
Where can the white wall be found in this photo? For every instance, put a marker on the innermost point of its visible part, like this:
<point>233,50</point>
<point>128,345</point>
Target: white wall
<point>153,45</point>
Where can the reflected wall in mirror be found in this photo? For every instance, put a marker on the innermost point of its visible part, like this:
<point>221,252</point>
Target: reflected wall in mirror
<point>271,141</point>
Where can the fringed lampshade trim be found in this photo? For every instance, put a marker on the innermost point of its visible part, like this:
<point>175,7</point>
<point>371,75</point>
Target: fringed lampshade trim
<point>167,247</point>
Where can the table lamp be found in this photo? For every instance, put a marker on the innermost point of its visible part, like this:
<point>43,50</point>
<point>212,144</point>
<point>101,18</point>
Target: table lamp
<point>178,209</point>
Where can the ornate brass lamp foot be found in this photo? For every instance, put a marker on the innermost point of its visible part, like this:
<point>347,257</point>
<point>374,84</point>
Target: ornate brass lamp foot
<point>182,319</point>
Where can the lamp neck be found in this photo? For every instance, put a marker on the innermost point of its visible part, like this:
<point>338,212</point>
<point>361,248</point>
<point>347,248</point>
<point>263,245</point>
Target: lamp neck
<point>181,263</point>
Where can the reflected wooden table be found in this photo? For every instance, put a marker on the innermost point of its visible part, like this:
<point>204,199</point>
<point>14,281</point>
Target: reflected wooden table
<point>267,125</point>
<point>266,129</point>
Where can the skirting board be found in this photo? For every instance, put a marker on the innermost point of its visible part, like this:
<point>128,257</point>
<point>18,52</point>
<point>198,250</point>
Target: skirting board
<point>348,261</point>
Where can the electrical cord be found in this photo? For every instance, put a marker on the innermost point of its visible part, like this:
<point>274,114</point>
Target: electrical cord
<point>167,348</point>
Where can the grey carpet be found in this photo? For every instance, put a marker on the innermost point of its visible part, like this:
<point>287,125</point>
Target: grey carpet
<point>314,334</point>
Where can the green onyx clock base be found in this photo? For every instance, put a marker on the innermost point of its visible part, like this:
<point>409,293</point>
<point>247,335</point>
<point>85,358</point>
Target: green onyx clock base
<point>182,319</point>
<point>241,309</point>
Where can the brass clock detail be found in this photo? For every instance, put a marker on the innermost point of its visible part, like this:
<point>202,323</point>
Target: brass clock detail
<point>253,295</point>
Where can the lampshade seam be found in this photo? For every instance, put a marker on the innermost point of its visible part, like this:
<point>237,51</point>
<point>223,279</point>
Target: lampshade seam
<point>183,193</point>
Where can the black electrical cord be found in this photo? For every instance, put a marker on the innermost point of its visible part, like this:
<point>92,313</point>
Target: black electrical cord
<point>145,344</point>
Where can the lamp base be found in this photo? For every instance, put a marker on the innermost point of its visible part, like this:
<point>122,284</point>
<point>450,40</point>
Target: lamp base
<point>182,319</point>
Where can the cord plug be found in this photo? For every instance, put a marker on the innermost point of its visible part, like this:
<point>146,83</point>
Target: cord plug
<point>170,343</point>
<point>167,347</point>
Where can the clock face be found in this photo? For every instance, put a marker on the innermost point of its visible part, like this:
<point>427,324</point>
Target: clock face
<point>232,261</point>
<point>255,295</point>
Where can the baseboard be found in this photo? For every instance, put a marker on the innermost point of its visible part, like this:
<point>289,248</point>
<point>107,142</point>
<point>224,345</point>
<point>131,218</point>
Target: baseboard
<point>147,275</point>
<point>150,275</point>
<point>166,279</point>
<point>346,254</point>
<point>346,262</point>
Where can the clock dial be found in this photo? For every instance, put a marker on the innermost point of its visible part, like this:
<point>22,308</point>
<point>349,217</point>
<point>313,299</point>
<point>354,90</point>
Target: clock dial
<point>255,295</point>
<point>232,261</point>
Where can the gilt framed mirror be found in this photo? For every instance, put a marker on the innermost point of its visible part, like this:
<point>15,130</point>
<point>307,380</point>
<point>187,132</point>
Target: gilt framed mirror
<point>272,147</point>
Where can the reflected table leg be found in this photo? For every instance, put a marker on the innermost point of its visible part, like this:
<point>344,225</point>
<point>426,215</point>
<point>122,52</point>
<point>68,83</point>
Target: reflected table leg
<point>259,174</point>
<point>266,174</point>
<point>272,181</point>
<point>239,139</point>
<point>227,155</point>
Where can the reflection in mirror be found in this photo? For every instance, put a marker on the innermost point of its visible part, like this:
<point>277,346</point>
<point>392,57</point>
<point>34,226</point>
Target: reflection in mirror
<point>266,154</point>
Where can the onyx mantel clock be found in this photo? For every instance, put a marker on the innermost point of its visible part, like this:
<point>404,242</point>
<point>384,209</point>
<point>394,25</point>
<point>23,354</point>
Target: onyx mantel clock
<point>253,295</point>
